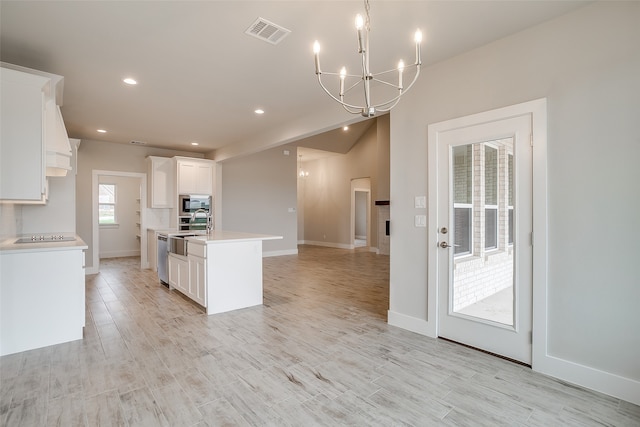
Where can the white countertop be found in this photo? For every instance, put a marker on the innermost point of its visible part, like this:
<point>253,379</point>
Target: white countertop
<point>9,245</point>
<point>223,236</point>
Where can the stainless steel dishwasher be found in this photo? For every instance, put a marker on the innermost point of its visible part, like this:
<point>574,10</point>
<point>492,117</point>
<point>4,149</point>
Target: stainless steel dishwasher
<point>163,255</point>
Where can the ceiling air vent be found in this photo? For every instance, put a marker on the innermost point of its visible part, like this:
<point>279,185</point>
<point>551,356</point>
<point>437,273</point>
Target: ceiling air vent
<point>138,143</point>
<point>267,31</point>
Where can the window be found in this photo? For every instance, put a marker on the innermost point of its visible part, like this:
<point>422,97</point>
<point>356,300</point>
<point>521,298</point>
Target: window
<point>106,204</point>
<point>463,200</point>
<point>490,197</point>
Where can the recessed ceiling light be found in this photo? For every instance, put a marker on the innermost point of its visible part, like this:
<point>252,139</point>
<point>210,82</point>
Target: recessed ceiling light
<point>130,81</point>
<point>194,143</point>
<point>346,128</point>
<point>259,111</point>
<point>101,131</point>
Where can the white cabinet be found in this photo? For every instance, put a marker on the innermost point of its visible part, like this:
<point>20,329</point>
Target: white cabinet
<point>194,176</point>
<point>179,273</point>
<point>189,274</point>
<point>161,177</point>
<point>197,280</point>
<point>22,150</point>
<point>43,298</point>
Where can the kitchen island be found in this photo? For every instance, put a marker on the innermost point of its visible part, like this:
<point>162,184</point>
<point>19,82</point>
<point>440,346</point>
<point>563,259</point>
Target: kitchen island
<point>222,270</point>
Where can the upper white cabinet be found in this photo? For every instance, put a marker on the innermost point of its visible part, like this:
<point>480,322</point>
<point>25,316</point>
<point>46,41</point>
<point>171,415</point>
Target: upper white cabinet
<point>195,176</point>
<point>34,143</point>
<point>161,176</point>
<point>22,150</point>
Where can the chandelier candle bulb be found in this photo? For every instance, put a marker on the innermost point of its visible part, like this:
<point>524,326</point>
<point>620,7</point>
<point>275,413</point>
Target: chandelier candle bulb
<point>418,39</point>
<point>359,30</point>
<point>400,70</point>
<point>343,74</point>
<point>316,52</point>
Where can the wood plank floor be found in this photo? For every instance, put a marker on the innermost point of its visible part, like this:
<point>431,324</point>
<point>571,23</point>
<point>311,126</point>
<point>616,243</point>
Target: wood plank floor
<point>318,353</point>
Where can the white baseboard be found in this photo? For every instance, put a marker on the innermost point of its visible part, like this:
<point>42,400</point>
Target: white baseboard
<point>90,270</point>
<point>585,376</point>
<point>413,324</point>
<point>118,254</point>
<point>328,244</point>
<point>280,253</point>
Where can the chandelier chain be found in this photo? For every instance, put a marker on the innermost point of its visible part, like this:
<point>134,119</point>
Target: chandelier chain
<point>366,9</point>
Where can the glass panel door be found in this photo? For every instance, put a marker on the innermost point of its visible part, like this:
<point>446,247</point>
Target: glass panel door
<point>484,223</point>
<point>482,273</point>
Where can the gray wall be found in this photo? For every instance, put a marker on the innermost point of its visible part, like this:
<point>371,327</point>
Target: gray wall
<point>587,65</point>
<point>258,191</point>
<point>98,155</point>
<point>327,191</point>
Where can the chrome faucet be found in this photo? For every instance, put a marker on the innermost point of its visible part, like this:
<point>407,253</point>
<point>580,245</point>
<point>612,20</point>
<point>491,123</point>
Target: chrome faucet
<point>195,214</point>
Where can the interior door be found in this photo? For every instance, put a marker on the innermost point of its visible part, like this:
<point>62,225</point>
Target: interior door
<point>484,220</point>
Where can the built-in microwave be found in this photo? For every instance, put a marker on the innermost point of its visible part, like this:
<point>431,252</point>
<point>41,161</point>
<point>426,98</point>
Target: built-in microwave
<point>189,203</point>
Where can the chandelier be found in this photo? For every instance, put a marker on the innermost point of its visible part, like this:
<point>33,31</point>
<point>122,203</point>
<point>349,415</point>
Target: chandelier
<point>302,173</point>
<point>368,109</point>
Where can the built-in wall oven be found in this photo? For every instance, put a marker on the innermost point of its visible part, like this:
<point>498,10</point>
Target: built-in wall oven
<point>190,203</point>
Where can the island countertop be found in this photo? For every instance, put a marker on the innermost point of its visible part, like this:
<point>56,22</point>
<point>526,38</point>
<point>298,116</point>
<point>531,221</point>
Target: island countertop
<point>225,236</point>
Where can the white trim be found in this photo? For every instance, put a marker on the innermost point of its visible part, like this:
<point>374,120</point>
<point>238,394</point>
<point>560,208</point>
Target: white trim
<point>95,227</point>
<point>268,254</point>
<point>109,225</point>
<point>118,254</point>
<point>585,376</point>
<point>328,244</point>
<point>413,324</point>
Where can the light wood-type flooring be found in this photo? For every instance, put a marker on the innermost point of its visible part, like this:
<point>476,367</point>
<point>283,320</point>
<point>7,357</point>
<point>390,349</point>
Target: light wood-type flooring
<point>318,352</point>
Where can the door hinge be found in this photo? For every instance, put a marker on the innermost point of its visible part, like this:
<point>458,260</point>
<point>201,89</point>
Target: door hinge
<point>531,139</point>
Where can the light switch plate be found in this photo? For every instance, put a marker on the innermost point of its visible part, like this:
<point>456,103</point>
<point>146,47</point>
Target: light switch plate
<point>421,221</point>
<point>420,202</point>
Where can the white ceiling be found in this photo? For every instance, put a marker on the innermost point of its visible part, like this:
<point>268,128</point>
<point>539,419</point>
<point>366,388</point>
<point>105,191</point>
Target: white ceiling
<point>201,77</point>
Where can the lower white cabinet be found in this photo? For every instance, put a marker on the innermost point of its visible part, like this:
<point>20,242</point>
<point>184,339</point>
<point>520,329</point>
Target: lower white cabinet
<point>197,280</point>
<point>42,298</point>
<point>179,273</point>
<point>188,275</point>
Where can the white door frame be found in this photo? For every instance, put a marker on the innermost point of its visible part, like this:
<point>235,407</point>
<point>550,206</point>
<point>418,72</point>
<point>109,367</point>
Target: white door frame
<point>538,110</point>
<point>95,179</point>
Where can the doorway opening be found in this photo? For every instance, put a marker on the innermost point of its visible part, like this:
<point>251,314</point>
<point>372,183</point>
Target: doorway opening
<point>123,210</point>
<point>360,213</point>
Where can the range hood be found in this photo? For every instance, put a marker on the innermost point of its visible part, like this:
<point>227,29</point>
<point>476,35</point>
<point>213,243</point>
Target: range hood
<point>57,146</point>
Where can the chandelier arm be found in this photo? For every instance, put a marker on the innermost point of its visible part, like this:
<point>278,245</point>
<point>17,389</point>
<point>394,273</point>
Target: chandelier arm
<point>337,99</point>
<point>338,74</point>
<point>384,110</point>
<point>353,85</point>
<point>350,111</point>
<point>384,82</point>
<point>381,106</point>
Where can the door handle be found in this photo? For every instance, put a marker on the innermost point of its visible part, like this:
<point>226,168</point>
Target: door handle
<point>445,245</point>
